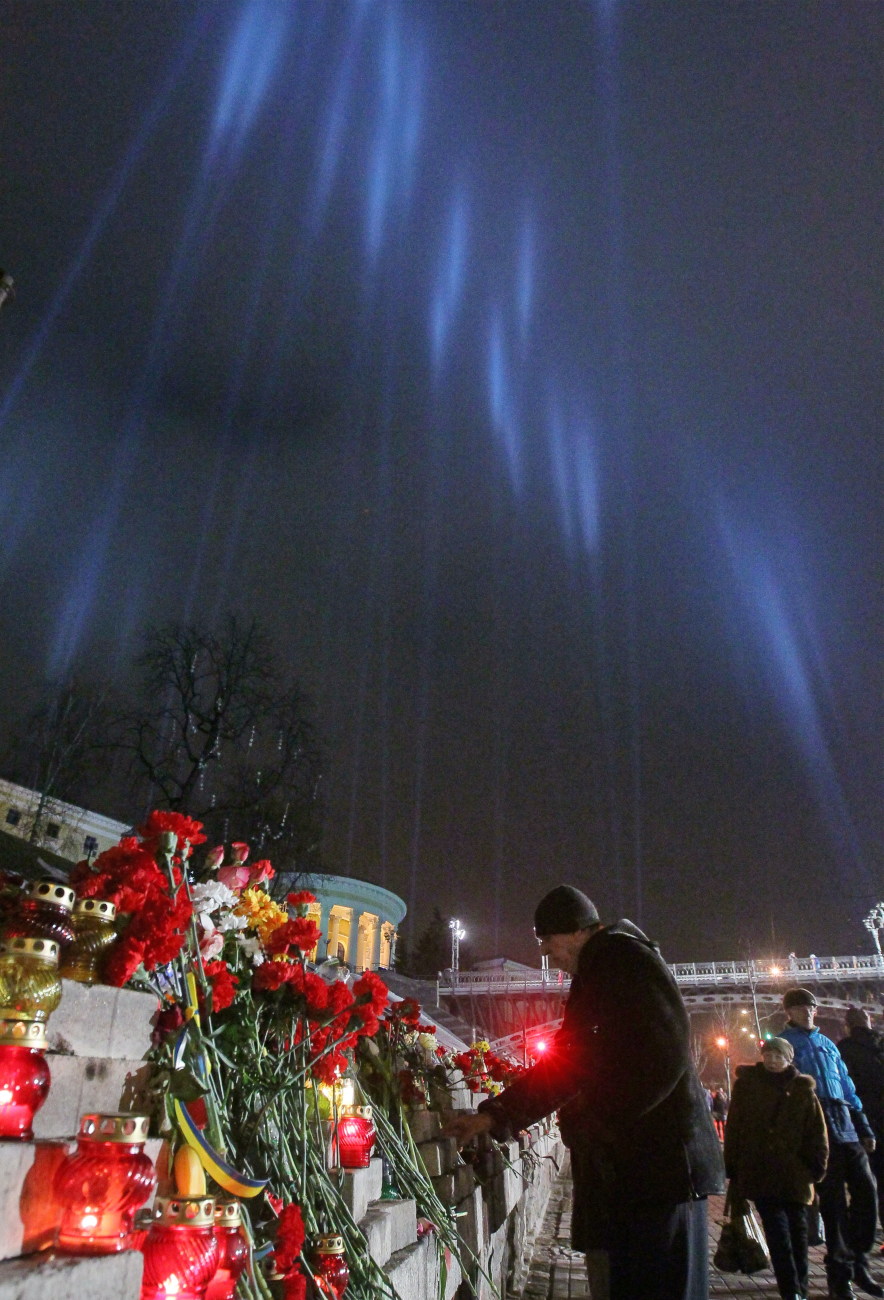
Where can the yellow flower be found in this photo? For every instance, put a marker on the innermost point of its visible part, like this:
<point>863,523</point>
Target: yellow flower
<point>263,914</point>
<point>481,1045</point>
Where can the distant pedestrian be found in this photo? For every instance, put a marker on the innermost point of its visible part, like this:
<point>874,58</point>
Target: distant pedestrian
<point>719,1105</point>
<point>849,1224</point>
<point>863,1053</point>
<point>775,1149</point>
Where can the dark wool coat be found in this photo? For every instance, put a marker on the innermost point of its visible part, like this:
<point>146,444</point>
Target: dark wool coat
<point>620,1072</point>
<point>775,1143</point>
<point>863,1053</point>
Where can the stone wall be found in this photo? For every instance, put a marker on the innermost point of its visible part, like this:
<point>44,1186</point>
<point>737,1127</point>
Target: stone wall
<point>97,1040</point>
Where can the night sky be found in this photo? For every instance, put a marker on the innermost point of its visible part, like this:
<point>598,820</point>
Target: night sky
<point>518,366</point>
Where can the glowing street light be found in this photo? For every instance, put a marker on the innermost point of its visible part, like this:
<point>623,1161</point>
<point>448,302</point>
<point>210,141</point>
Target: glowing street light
<point>457,933</point>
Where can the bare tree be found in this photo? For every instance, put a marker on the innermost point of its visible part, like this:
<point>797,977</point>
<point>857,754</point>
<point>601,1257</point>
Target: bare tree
<point>54,753</point>
<point>222,735</point>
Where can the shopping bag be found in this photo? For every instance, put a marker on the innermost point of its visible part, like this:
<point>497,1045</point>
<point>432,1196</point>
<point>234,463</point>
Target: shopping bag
<point>741,1246</point>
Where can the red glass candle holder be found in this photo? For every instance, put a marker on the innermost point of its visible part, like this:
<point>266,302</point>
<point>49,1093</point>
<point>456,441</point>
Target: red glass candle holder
<point>181,1251</point>
<point>24,1076</point>
<point>44,912</point>
<point>355,1135</point>
<point>329,1265</point>
<point>103,1183</point>
<point>233,1251</point>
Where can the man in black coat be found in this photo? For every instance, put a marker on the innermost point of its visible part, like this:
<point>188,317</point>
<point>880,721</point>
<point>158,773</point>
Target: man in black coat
<point>644,1150</point>
<point>863,1053</point>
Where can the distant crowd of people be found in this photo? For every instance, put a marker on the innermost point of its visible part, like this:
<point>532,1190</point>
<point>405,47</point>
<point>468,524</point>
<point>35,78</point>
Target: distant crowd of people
<point>803,1141</point>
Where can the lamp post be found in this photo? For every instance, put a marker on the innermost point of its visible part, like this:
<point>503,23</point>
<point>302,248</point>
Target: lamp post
<point>874,923</point>
<point>457,933</point>
<point>726,1049</point>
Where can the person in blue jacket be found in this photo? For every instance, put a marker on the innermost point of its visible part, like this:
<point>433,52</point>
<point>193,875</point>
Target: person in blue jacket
<point>849,1223</point>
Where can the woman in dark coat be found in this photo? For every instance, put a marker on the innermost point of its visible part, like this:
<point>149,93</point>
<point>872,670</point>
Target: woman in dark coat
<point>775,1149</point>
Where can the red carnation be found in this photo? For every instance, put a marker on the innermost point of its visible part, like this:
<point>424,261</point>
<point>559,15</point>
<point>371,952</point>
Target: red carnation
<point>301,899</point>
<point>301,933</point>
<point>160,821</point>
<point>122,961</point>
<point>272,975</point>
<point>259,872</point>
<point>223,984</point>
<point>408,1011</point>
<point>316,994</point>
<point>289,1236</point>
<point>371,989</point>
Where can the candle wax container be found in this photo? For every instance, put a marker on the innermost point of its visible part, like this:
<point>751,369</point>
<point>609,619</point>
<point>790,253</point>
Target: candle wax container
<point>30,985</point>
<point>103,1183</point>
<point>327,1260</point>
<point>355,1136</point>
<point>24,1076</point>
<point>94,932</point>
<point>181,1251</point>
<point>44,912</point>
<point>233,1251</point>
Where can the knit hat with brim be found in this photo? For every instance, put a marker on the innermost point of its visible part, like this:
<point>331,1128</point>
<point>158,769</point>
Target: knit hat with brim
<point>798,998</point>
<point>781,1045</point>
<point>563,911</point>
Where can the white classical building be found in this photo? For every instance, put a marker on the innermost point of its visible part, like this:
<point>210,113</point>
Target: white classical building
<point>358,920</point>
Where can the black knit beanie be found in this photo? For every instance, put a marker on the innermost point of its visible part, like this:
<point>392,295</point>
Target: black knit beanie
<point>563,911</point>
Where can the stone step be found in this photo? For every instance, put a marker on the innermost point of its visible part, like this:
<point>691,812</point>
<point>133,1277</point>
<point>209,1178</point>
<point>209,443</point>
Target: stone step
<point>29,1214</point>
<point>360,1186</point>
<point>85,1277</point>
<point>82,1084</point>
<point>95,1020</point>
<point>389,1226</point>
<point>439,1156</point>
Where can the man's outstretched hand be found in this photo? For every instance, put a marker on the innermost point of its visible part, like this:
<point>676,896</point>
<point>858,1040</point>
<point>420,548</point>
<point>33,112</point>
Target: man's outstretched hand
<point>465,1125</point>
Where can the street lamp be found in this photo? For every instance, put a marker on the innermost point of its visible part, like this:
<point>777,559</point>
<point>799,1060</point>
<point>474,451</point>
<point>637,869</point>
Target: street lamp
<point>726,1049</point>
<point>457,933</point>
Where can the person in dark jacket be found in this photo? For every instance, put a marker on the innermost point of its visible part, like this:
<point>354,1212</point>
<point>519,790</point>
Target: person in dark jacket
<point>863,1053</point>
<point>644,1151</point>
<point>775,1149</point>
<point>849,1223</point>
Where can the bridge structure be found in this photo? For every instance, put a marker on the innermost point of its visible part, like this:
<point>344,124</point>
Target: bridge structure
<point>516,1009</point>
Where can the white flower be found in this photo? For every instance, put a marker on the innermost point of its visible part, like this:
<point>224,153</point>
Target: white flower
<point>251,947</point>
<point>230,921</point>
<point>427,1042</point>
<point>211,895</point>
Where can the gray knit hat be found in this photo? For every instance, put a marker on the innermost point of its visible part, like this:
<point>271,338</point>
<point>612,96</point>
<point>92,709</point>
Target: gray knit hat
<point>781,1045</point>
<point>563,911</point>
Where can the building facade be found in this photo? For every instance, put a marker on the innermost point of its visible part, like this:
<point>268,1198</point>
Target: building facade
<point>359,921</point>
<point>63,828</point>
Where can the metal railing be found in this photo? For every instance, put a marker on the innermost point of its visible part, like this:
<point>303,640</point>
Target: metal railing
<point>706,974</point>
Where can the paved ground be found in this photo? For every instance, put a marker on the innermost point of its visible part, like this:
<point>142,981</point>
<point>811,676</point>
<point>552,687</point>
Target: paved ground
<point>558,1273</point>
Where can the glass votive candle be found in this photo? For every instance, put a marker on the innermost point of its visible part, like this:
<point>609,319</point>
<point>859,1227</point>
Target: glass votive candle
<point>181,1251</point>
<point>233,1251</point>
<point>30,985</point>
<point>43,912</point>
<point>94,932</point>
<point>356,1134</point>
<point>329,1265</point>
<point>24,1076</point>
<point>103,1183</point>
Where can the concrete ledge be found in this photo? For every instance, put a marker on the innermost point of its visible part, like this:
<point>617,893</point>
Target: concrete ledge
<point>68,1278</point>
<point>81,1084</point>
<point>453,1187</point>
<point>424,1125</point>
<point>439,1156</point>
<point>389,1226</point>
<point>359,1187</point>
<point>410,1270</point>
<point>95,1020</point>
